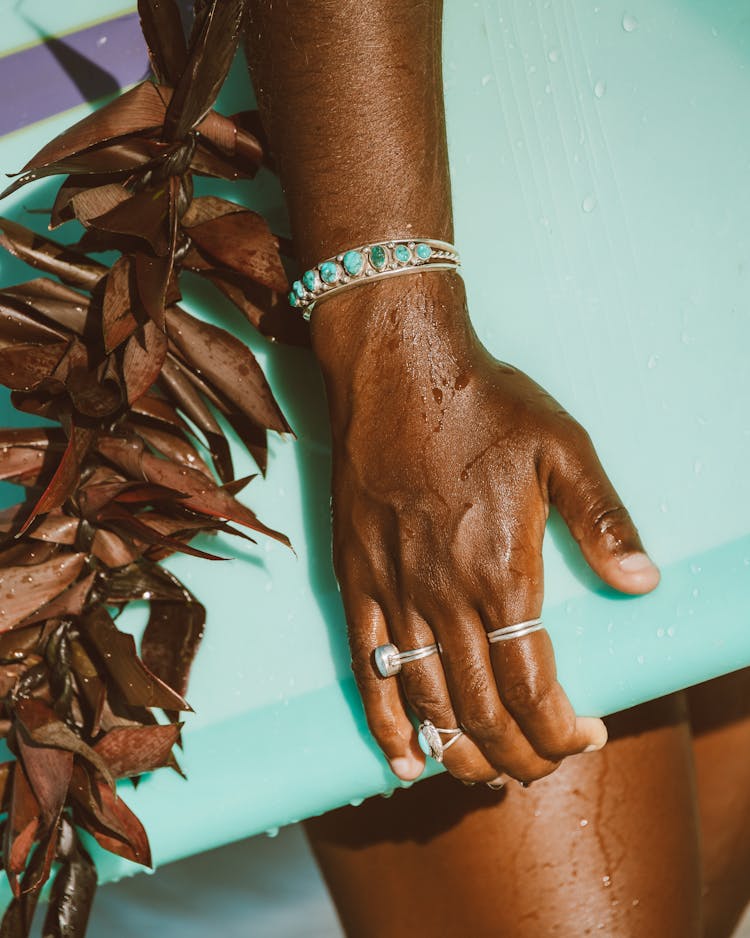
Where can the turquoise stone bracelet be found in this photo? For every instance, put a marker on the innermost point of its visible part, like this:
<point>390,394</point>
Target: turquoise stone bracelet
<point>366,262</point>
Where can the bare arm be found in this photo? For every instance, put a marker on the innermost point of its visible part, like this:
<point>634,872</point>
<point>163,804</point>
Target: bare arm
<point>445,461</point>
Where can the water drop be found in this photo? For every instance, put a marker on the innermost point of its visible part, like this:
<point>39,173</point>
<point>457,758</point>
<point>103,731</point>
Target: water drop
<point>589,204</point>
<point>652,362</point>
<point>583,822</point>
<point>660,633</point>
<point>554,55</point>
<point>486,79</point>
<point>640,659</point>
<point>697,467</point>
<point>600,88</point>
<point>272,832</point>
<point>671,631</point>
<point>607,880</point>
<point>356,802</point>
<point>629,23</point>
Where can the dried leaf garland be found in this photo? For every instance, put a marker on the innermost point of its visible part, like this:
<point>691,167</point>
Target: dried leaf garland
<point>137,463</point>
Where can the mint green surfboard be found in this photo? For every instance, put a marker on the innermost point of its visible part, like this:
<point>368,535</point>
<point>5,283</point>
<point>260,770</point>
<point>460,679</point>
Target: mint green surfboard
<point>600,166</point>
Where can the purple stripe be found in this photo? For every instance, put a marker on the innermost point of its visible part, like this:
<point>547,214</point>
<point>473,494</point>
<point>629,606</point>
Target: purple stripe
<point>58,74</point>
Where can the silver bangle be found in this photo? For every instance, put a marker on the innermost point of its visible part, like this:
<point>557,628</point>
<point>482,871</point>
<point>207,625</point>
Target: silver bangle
<point>368,262</point>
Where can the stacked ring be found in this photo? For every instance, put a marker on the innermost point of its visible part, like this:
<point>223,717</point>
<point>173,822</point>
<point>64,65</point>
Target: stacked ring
<point>514,631</point>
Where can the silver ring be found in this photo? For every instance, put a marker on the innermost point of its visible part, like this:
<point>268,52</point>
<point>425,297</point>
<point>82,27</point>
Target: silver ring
<point>430,741</point>
<point>388,659</point>
<point>514,631</point>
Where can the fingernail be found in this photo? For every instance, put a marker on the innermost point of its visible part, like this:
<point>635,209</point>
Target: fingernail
<point>636,563</point>
<point>595,747</point>
<point>406,768</point>
<point>497,783</point>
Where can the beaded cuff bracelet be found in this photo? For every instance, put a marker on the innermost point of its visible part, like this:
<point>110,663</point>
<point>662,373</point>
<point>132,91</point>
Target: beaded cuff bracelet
<point>368,261</point>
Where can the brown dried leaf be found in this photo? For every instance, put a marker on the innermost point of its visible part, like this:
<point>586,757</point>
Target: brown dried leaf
<point>228,365</point>
<point>25,589</point>
<point>109,819</point>
<point>243,242</point>
<point>143,358</point>
<point>132,112</point>
<point>69,265</point>
<point>118,321</point>
<point>176,382</point>
<point>20,828</point>
<point>48,771</point>
<point>65,307</point>
<point>43,727</point>
<point>117,650</point>
<point>162,29</point>
<point>133,750</point>
<point>65,478</point>
<point>171,639</point>
<point>210,55</point>
<point>84,199</point>
<point>144,215</point>
<point>204,497</point>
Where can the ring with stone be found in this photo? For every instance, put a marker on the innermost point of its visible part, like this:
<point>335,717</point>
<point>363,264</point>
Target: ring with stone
<point>388,659</point>
<point>430,740</point>
<point>514,631</point>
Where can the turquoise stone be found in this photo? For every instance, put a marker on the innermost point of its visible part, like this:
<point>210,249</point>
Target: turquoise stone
<point>298,288</point>
<point>310,279</point>
<point>377,256</point>
<point>423,251</point>
<point>329,272</point>
<point>293,299</point>
<point>423,744</point>
<point>353,262</point>
<point>402,253</point>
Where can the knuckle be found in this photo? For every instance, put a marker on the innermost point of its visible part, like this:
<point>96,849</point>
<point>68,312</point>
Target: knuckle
<point>429,704</point>
<point>386,729</point>
<point>525,697</point>
<point>607,519</point>
<point>484,724</point>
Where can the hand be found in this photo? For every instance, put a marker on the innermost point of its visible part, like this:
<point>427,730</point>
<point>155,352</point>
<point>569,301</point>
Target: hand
<point>445,462</point>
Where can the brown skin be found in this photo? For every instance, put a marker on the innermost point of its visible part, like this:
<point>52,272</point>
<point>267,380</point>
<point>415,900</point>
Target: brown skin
<point>445,463</point>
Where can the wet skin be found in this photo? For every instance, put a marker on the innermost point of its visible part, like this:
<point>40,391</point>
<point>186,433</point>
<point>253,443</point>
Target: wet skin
<point>444,467</point>
<point>445,463</point>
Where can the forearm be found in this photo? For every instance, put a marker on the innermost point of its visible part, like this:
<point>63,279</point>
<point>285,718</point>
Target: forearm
<point>352,100</point>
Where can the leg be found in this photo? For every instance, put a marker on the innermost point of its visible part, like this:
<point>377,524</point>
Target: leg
<point>720,714</point>
<point>607,845</point>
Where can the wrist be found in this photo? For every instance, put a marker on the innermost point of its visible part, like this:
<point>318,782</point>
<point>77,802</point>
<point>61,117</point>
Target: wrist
<point>391,324</point>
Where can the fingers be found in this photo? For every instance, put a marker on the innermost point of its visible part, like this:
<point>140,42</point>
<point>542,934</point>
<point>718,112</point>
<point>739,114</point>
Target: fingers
<point>384,707</point>
<point>526,678</point>
<point>525,670</point>
<point>474,696</point>
<point>597,519</point>
<point>424,686</point>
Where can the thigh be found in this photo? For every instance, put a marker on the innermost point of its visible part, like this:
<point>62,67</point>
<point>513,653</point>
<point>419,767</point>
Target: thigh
<point>720,714</point>
<point>607,845</point>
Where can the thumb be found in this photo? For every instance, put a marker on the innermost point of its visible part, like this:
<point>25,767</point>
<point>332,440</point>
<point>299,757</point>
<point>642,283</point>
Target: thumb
<point>593,511</point>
